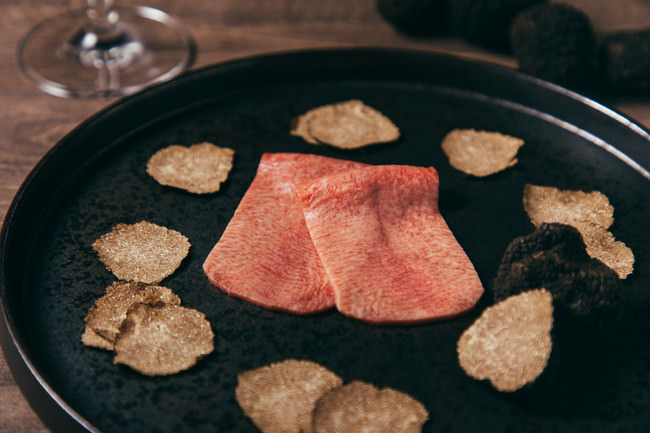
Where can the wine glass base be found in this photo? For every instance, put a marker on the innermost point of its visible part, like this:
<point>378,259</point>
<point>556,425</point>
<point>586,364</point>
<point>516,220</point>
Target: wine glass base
<point>148,47</point>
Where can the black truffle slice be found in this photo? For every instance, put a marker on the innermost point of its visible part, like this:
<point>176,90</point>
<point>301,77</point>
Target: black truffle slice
<point>486,22</point>
<point>555,42</point>
<point>554,257</point>
<point>415,17</point>
<point>625,59</point>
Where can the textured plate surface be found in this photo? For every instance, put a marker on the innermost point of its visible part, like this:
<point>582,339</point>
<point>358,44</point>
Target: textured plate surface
<point>95,178</point>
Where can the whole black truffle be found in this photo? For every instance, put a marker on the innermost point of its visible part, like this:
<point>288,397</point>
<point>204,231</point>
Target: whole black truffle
<point>415,17</point>
<point>555,42</point>
<point>486,22</point>
<point>554,257</point>
<point>625,59</point>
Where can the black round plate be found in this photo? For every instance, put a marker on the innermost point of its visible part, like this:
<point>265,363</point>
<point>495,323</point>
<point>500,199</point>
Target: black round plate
<point>95,178</point>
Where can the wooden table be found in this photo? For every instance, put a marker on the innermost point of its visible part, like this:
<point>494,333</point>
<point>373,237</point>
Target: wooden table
<point>31,122</point>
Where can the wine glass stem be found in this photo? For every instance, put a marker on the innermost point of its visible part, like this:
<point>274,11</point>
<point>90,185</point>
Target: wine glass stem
<point>101,18</point>
<point>95,52</point>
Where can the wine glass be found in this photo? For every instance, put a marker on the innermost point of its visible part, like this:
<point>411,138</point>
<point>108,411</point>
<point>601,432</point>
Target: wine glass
<point>105,51</point>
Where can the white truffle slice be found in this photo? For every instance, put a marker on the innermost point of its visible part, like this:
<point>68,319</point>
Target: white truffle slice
<point>107,314</point>
<point>361,407</point>
<point>143,252</point>
<point>510,343</point>
<point>200,168</point>
<point>346,125</point>
<point>480,153</point>
<point>163,339</point>
<point>279,398</point>
<point>588,212</point>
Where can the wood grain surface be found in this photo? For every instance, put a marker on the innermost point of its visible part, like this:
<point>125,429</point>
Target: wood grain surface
<point>31,122</point>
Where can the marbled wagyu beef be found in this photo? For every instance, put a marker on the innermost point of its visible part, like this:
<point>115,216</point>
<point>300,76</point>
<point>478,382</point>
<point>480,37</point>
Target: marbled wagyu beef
<point>265,254</point>
<point>388,252</point>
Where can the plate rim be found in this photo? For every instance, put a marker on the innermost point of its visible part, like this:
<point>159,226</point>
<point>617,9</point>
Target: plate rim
<point>51,408</point>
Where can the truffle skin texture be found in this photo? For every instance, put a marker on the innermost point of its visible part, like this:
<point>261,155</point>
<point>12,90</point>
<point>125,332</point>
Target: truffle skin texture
<point>486,22</point>
<point>415,17</point>
<point>555,42</point>
<point>625,59</point>
<point>554,257</point>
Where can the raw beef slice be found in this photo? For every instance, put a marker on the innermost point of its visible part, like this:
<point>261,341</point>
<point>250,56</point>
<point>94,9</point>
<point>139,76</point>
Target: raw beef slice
<point>388,252</point>
<point>265,254</point>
